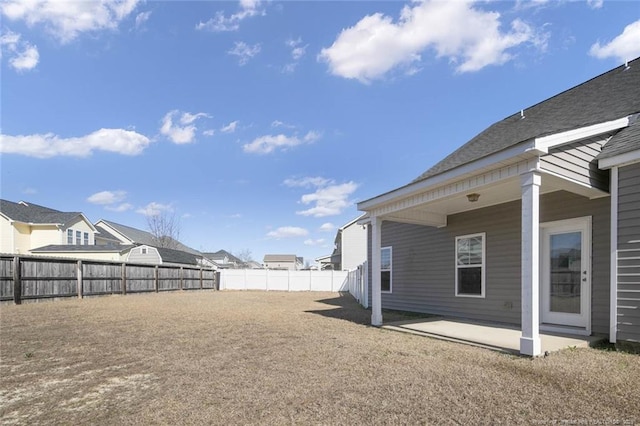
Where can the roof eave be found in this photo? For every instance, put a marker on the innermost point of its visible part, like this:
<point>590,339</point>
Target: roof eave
<point>620,160</point>
<point>522,150</point>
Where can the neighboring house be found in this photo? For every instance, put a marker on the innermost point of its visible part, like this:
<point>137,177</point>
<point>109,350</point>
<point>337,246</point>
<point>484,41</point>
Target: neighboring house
<point>224,260</point>
<point>350,248</point>
<point>252,264</point>
<point>146,249</point>
<point>515,226</point>
<point>283,261</point>
<point>326,263</point>
<point>128,235</point>
<point>26,226</point>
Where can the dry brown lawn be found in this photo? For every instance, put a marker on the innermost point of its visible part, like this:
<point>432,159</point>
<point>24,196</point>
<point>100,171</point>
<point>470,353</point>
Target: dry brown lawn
<point>209,357</point>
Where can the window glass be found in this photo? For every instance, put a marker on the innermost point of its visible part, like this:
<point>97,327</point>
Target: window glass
<point>78,238</point>
<point>470,265</point>
<point>69,236</point>
<point>385,269</point>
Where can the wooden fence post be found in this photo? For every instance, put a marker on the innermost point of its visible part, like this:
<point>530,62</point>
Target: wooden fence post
<point>201,272</point>
<point>181,278</point>
<point>123,279</point>
<point>17,282</point>
<point>156,278</point>
<point>79,277</point>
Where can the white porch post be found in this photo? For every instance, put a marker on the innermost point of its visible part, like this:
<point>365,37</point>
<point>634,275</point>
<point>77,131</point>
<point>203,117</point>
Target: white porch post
<point>530,340</point>
<point>376,295</point>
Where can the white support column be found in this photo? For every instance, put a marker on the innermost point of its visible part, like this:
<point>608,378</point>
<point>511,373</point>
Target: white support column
<point>376,294</point>
<point>530,340</point>
<point>613,290</point>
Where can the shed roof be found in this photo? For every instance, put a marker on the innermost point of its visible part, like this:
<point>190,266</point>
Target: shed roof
<point>280,258</point>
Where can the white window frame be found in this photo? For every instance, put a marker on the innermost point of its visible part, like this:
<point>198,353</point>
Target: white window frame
<point>483,265</point>
<point>143,250</point>
<point>70,236</point>
<point>390,270</point>
<point>85,238</point>
<point>78,238</point>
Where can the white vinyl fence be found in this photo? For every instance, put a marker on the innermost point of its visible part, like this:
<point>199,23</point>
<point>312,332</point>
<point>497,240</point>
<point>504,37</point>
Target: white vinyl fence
<point>358,280</point>
<point>268,279</point>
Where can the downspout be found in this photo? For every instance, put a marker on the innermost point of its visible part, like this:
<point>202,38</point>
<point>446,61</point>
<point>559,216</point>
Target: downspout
<point>613,286</point>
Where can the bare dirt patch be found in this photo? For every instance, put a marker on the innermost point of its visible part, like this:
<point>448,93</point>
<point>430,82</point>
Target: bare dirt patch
<point>209,357</point>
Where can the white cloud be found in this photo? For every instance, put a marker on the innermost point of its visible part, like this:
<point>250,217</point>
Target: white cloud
<point>288,232</point>
<point>307,182</point>
<point>29,191</point>
<point>468,37</point>
<point>154,209</point>
<point>329,200</point>
<point>48,145</point>
<point>269,143</point>
<point>107,197</point>
<point>244,52</point>
<point>23,55</point>
<point>624,47</point>
<point>209,132</point>
<point>278,123</point>
<point>297,52</point>
<point>221,23</point>
<point>65,20</point>
<point>142,18</point>
<point>182,132</point>
<point>230,128</point>
<point>595,4</point>
<point>119,208</point>
<point>327,227</point>
<point>312,242</point>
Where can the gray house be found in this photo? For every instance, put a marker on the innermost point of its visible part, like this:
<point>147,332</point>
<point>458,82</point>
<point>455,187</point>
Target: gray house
<point>530,223</point>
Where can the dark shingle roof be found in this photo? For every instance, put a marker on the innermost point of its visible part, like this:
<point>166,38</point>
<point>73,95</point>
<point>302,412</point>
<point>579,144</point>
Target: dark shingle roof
<point>612,95</point>
<point>626,140</point>
<point>143,237</point>
<point>177,256</point>
<point>220,255</point>
<point>33,213</point>
<point>105,234</point>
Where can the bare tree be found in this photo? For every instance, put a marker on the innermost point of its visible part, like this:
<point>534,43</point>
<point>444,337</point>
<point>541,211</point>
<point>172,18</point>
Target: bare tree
<point>165,228</point>
<point>245,256</point>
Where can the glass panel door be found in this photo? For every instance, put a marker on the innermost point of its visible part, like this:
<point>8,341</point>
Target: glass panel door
<point>565,273</point>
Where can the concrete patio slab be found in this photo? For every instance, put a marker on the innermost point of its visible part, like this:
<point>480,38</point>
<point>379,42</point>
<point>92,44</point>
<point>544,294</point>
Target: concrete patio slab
<point>499,337</point>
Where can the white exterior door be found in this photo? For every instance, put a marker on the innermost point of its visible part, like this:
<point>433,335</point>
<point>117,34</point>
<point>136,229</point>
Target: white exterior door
<point>566,273</point>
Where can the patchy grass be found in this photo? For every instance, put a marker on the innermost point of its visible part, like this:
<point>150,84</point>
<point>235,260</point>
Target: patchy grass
<point>273,358</point>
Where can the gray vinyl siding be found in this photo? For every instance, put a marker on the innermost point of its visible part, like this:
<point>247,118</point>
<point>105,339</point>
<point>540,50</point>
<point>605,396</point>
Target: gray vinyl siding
<point>424,268</point>
<point>576,161</point>
<point>629,248</point>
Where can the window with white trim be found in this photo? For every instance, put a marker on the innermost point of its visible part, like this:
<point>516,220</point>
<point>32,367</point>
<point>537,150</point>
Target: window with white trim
<point>386,265</point>
<point>143,250</point>
<point>86,238</point>
<point>78,238</point>
<point>70,236</point>
<point>470,265</point>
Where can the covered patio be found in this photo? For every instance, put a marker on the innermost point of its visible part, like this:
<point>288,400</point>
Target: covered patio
<point>498,337</point>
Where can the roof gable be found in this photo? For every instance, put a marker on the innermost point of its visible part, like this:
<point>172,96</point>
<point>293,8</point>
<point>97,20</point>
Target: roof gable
<point>610,96</point>
<point>37,215</point>
<point>623,142</point>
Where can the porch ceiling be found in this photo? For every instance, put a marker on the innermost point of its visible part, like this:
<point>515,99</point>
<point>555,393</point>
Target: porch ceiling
<point>434,212</point>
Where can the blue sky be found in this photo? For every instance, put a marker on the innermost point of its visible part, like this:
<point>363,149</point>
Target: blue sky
<point>261,124</point>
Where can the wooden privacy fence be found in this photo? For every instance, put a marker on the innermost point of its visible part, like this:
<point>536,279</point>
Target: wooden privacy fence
<point>24,278</point>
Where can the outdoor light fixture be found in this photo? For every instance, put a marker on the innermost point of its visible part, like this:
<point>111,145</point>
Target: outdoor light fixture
<point>473,197</point>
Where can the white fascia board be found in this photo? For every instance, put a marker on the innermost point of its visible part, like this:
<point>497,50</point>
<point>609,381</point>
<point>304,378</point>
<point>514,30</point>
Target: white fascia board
<point>356,220</point>
<point>527,148</point>
<point>620,160</point>
<point>545,142</point>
